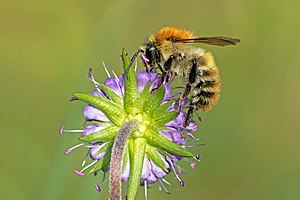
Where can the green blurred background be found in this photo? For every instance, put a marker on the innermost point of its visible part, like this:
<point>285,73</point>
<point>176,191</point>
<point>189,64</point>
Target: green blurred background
<point>251,136</point>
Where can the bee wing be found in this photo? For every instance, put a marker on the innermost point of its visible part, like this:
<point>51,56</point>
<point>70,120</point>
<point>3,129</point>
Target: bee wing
<point>217,40</point>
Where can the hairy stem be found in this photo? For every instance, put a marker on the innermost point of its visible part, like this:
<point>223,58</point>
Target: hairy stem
<point>117,159</point>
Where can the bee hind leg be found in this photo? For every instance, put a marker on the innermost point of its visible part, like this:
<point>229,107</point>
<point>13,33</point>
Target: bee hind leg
<point>183,95</point>
<point>189,116</point>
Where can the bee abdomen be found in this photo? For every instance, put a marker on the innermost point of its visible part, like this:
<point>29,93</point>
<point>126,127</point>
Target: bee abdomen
<point>207,89</point>
<point>205,100</point>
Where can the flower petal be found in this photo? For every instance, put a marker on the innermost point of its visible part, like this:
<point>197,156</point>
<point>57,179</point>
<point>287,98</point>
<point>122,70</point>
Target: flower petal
<point>92,128</point>
<point>174,136</point>
<point>157,171</point>
<point>112,83</point>
<point>177,122</point>
<point>94,150</point>
<point>92,113</point>
<point>142,79</point>
<point>126,172</point>
<point>192,126</point>
<point>121,83</point>
<point>97,93</point>
<point>167,96</point>
<point>151,179</point>
<point>146,169</point>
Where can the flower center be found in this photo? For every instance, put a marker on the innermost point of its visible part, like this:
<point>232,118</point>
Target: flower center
<point>143,121</point>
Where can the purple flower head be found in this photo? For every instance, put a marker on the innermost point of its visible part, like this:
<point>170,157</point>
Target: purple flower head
<point>160,132</point>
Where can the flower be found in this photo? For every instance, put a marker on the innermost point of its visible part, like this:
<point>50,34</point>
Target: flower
<point>153,147</point>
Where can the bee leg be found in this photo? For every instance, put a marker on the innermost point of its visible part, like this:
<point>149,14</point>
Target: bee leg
<point>163,74</point>
<point>168,63</point>
<point>189,116</point>
<point>190,80</point>
<point>184,95</point>
<point>131,61</point>
<point>199,117</point>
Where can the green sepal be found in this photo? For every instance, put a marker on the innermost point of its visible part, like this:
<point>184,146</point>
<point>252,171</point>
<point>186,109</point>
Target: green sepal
<point>112,95</point>
<point>102,163</point>
<point>105,134</point>
<point>157,139</point>
<point>145,93</point>
<point>153,101</point>
<point>137,149</point>
<point>112,111</point>
<point>131,94</point>
<point>126,61</point>
<point>164,118</point>
<point>93,122</point>
<point>164,107</point>
<point>156,157</point>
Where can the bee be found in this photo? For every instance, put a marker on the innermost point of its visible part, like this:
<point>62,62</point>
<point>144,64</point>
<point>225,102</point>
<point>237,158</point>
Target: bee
<point>169,50</point>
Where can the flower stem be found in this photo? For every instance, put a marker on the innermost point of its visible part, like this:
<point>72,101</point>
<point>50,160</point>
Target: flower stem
<point>117,159</point>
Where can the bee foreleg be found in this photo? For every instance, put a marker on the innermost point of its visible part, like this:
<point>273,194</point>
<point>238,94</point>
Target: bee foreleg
<point>132,60</point>
<point>168,63</point>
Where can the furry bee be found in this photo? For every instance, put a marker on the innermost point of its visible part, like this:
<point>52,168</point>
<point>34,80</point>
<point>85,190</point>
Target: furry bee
<point>168,49</point>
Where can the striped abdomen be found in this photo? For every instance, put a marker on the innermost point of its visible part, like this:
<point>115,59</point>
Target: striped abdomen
<point>207,85</point>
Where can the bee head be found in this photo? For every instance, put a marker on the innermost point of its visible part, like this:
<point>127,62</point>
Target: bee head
<point>151,54</point>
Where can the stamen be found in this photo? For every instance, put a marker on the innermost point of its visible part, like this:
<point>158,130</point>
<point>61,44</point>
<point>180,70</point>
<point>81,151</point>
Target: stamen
<point>88,146</point>
<point>192,146</point>
<point>197,157</point>
<point>91,78</point>
<point>72,148</point>
<point>96,84</point>
<point>167,182</point>
<point>97,186</point>
<point>68,152</point>
<point>145,59</point>
<point>180,170</point>
<point>182,183</point>
<point>106,69</point>
<point>103,180</point>
<point>84,160</point>
<point>73,131</point>
<point>176,175</point>
<point>92,163</point>
<point>145,187</point>
<point>90,73</point>
<point>193,165</point>
<point>115,75</point>
<point>62,128</point>
<point>171,79</point>
<point>162,185</point>
<point>79,173</point>
<point>135,67</point>
<point>191,136</point>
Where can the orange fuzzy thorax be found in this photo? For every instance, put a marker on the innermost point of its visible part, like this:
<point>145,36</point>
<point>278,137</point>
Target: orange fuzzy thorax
<point>168,33</point>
